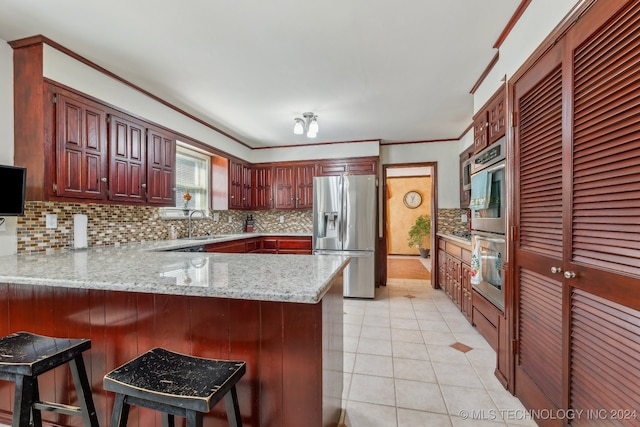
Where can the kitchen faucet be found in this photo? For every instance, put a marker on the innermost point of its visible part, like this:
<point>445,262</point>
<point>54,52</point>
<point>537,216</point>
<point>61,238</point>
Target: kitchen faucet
<point>189,228</point>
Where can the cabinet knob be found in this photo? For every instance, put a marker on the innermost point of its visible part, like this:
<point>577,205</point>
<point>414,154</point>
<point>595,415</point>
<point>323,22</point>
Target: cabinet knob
<point>556,270</point>
<point>144,186</point>
<point>232,197</point>
<point>569,274</point>
<point>103,179</point>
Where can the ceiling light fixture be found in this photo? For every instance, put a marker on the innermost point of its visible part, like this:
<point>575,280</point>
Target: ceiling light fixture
<point>308,125</point>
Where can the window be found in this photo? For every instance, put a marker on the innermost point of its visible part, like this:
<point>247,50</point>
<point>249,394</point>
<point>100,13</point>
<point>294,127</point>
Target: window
<point>192,175</point>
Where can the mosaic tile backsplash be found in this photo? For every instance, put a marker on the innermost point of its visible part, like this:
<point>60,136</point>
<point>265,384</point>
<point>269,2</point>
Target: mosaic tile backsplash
<point>110,225</point>
<point>450,221</point>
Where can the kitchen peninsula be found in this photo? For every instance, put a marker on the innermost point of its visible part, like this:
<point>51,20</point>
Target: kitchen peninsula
<point>282,314</point>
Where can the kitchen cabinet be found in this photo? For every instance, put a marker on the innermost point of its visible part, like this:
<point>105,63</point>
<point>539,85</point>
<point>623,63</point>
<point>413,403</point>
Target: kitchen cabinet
<point>161,168</point>
<point>454,260</point>
<point>240,185</point>
<point>465,176</point>
<point>489,123</point>
<point>356,166</point>
<point>80,149</point>
<point>127,159</point>
<point>262,187</point>
<point>281,245</point>
<point>293,186</point>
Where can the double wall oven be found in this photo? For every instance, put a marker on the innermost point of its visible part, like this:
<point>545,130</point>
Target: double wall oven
<point>488,222</point>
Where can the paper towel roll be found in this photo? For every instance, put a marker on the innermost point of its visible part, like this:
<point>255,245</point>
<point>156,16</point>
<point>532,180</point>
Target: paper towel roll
<point>79,231</point>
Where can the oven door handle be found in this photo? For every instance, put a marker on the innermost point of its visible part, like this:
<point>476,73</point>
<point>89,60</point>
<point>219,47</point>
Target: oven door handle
<point>490,239</point>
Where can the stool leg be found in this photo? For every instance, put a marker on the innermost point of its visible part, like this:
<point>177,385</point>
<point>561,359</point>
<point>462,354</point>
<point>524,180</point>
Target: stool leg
<point>22,401</point>
<point>36,414</point>
<point>83,390</point>
<point>120,412</point>
<point>168,420</point>
<point>233,411</point>
<point>194,418</point>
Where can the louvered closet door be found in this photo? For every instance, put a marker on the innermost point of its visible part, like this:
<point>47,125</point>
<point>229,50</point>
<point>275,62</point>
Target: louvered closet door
<point>604,240</point>
<point>538,216</point>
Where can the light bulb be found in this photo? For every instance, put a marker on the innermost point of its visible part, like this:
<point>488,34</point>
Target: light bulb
<point>311,134</point>
<point>313,125</point>
<point>298,128</point>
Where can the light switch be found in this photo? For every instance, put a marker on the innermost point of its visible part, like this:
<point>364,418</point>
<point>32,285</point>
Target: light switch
<point>51,221</point>
<point>464,218</point>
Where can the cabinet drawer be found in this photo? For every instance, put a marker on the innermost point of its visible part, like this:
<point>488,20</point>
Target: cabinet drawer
<point>270,244</point>
<point>454,250</point>
<point>302,243</point>
<point>489,311</point>
<point>486,328</point>
<point>466,256</point>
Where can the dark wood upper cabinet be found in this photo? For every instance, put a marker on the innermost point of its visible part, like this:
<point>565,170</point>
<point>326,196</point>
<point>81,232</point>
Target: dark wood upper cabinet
<point>489,123</point>
<point>240,185</point>
<point>161,168</point>
<point>304,186</point>
<point>283,183</point>
<point>357,166</point>
<point>128,163</point>
<point>81,149</point>
<point>262,194</point>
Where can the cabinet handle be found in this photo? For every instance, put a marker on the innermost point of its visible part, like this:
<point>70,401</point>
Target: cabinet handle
<point>103,179</point>
<point>556,270</point>
<point>569,274</point>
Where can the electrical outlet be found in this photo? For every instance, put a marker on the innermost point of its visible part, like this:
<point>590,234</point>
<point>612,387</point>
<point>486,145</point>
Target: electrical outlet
<point>216,216</point>
<point>51,221</point>
<point>230,220</point>
<point>281,219</point>
<point>464,218</point>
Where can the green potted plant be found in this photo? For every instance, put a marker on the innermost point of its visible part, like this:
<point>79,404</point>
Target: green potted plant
<point>418,234</point>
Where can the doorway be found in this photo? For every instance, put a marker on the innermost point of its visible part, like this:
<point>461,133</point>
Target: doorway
<point>408,191</point>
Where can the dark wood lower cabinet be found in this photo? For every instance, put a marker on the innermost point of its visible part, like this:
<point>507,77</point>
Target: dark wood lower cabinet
<point>268,245</point>
<point>293,351</point>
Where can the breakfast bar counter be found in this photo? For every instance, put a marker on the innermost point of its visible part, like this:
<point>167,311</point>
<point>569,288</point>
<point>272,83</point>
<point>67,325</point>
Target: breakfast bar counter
<point>282,314</point>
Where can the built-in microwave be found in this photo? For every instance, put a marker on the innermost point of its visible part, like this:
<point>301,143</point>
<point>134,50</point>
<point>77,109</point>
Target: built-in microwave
<point>466,174</point>
<point>490,165</point>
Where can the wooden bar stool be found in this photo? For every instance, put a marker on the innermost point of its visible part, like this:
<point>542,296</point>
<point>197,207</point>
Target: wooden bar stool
<point>24,356</point>
<point>175,384</point>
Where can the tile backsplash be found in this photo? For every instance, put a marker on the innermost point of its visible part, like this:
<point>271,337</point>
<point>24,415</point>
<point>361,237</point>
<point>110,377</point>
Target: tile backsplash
<point>450,220</point>
<point>110,225</point>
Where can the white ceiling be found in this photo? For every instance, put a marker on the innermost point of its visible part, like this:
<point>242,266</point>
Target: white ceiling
<point>370,69</point>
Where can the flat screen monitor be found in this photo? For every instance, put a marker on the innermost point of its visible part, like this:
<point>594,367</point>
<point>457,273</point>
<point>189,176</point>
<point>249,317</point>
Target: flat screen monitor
<point>13,184</point>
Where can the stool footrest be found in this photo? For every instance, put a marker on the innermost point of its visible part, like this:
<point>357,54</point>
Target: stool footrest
<point>59,408</point>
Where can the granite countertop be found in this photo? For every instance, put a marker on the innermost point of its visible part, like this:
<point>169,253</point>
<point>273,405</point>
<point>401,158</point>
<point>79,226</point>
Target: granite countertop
<point>152,267</point>
<point>455,238</point>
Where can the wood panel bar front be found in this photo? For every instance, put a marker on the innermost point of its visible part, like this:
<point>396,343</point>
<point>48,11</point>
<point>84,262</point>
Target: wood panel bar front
<point>293,350</point>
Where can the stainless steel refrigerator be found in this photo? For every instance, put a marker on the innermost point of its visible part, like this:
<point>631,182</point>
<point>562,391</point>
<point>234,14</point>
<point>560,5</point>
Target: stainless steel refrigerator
<point>345,223</point>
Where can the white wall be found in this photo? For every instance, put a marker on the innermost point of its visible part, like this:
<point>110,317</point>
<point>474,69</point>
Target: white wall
<point>62,68</point>
<point>327,151</point>
<point>537,22</point>
<point>445,154</point>
<point>8,240</point>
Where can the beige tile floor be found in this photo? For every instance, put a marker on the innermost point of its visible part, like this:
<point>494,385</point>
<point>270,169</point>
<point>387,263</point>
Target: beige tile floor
<point>400,370</point>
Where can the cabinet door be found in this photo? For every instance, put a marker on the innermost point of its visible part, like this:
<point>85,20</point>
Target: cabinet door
<point>284,187</point>
<point>304,186</point>
<point>497,118</point>
<point>81,149</point>
<point>247,186</point>
<point>161,169</point>
<point>262,194</point>
<point>442,269</point>
<point>127,171</point>
<point>466,304</point>
<point>235,184</point>
<point>480,132</point>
